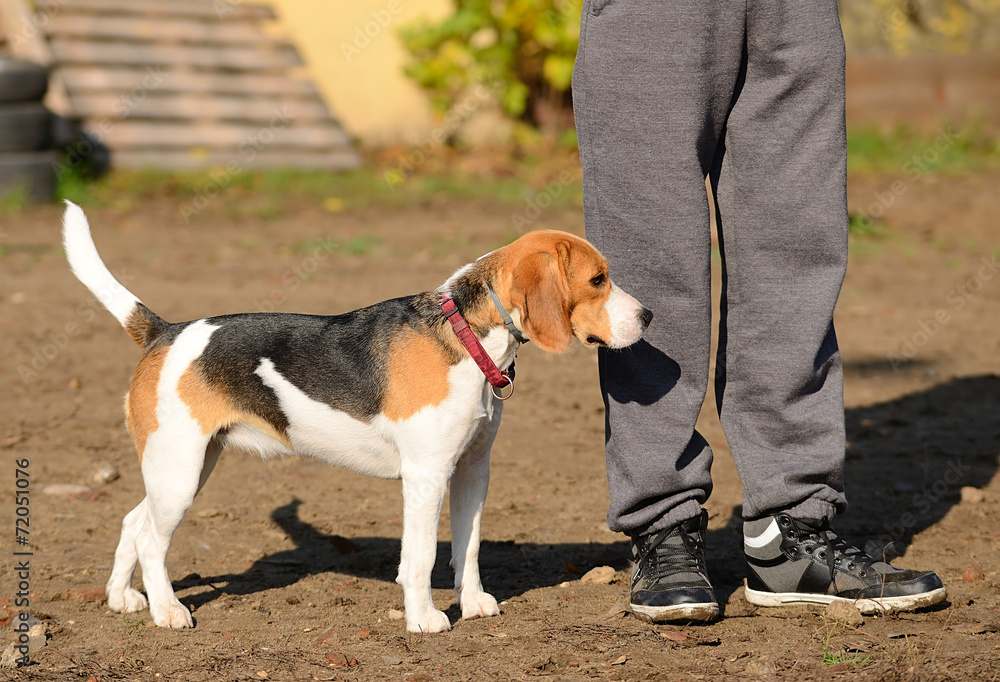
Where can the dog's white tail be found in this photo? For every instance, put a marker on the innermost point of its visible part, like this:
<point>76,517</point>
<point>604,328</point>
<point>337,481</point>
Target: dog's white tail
<point>141,323</point>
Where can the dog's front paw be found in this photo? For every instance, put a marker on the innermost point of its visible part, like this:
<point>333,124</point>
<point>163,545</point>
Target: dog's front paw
<point>128,601</point>
<point>173,614</point>
<point>430,620</point>
<point>479,605</point>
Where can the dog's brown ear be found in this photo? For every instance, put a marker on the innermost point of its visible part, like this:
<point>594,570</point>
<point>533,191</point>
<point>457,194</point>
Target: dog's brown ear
<point>539,289</point>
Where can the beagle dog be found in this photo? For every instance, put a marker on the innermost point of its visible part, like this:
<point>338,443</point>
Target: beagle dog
<point>390,390</point>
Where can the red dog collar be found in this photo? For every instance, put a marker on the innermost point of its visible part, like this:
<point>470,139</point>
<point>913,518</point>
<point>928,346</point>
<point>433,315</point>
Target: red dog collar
<point>497,378</point>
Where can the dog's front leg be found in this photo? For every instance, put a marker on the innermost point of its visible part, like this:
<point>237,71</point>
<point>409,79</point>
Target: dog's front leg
<point>469,484</point>
<point>423,494</point>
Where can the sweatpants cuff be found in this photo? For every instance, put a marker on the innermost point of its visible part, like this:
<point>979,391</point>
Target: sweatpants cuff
<point>812,509</point>
<point>684,511</point>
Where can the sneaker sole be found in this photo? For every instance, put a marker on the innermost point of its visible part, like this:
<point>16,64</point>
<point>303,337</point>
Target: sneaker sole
<point>661,614</point>
<point>865,606</point>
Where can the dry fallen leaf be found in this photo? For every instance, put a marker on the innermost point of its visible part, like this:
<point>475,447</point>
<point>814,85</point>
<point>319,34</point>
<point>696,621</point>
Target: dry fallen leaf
<point>674,636</point>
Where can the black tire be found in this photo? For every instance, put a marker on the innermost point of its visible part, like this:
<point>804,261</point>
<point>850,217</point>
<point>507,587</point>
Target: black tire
<point>31,172</point>
<point>25,127</point>
<point>22,81</point>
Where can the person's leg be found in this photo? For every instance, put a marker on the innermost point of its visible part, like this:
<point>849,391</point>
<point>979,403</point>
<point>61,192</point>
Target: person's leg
<point>781,194</point>
<point>651,89</point>
<point>781,190</point>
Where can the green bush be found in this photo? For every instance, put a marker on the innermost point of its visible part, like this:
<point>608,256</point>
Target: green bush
<point>522,51</point>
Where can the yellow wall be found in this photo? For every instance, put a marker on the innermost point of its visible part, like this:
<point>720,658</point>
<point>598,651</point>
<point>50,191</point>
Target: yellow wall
<point>354,56</point>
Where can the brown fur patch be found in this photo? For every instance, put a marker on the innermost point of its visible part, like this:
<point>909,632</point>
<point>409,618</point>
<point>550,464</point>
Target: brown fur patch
<point>143,325</point>
<point>548,275</point>
<point>214,411</point>
<point>140,404</point>
<point>417,375</point>
<point>540,290</point>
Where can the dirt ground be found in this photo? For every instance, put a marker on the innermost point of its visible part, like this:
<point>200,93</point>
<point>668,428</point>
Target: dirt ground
<point>289,565</point>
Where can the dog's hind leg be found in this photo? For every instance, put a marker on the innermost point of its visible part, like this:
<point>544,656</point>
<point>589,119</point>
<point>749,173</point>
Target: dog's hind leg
<point>469,484</point>
<point>122,597</point>
<point>174,469</point>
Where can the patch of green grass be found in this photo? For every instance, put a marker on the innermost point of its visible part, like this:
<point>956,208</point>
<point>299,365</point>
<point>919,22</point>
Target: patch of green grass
<point>862,225</point>
<point>864,248</point>
<point>267,207</point>
<point>524,183</point>
<point>942,244</point>
<point>843,644</point>
<point>268,194</point>
<point>72,185</point>
<point>854,659</point>
<point>14,200</point>
<point>867,235</point>
<point>361,246</point>
<point>911,152</point>
<point>355,247</point>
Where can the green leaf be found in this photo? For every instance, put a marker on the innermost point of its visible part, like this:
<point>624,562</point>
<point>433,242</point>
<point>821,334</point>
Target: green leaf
<point>558,70</point>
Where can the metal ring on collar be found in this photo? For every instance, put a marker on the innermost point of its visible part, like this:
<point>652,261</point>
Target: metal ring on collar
<point>500,395</point>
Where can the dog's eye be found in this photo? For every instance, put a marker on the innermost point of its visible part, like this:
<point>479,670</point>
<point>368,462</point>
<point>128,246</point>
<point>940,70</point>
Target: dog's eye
<point>598,280</point>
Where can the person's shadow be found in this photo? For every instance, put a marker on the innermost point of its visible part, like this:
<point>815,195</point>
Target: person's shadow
<point>907,461</point>
<point>909,458</point>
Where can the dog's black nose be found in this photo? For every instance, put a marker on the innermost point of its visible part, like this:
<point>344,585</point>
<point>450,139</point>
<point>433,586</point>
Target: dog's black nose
<point>646,315</point>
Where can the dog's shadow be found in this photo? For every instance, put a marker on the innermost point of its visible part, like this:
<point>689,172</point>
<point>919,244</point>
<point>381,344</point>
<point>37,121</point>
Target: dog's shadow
<point>508,569</point>
<point>907,461</point>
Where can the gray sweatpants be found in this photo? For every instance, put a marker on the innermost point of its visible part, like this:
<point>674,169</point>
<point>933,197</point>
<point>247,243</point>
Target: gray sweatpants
<point>751,94</point>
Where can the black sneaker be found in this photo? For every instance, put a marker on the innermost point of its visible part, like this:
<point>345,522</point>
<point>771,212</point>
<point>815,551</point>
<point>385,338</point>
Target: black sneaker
<point>669,578</point>
<point>802,561</point>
